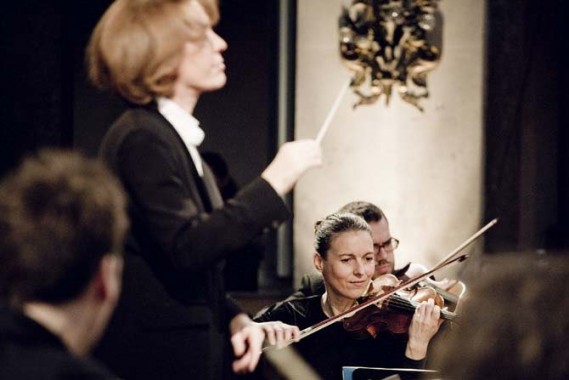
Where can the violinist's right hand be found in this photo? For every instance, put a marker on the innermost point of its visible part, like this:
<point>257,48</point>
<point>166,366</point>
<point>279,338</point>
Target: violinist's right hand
<point>424,326</point>
<point>279,334</point>
<point>293,159</point>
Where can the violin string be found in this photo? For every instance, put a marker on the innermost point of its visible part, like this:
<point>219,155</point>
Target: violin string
<point>410,305</point>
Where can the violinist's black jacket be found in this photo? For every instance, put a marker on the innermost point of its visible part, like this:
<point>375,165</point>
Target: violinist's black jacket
<point>333,347</point>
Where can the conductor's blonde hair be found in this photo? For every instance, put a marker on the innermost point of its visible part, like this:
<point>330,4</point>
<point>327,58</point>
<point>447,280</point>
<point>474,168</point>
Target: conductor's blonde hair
<point>136,48</point>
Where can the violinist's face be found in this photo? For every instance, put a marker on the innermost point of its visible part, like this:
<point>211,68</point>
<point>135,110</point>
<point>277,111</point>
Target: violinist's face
<point>349,266</point>
<point>384,261</point>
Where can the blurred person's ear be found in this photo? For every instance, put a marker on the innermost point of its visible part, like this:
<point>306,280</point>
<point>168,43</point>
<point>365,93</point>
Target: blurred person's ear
<point>102,295</point>
<point>108,279</point>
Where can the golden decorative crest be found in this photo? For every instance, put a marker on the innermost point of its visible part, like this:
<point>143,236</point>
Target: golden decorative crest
<point>390,44</point>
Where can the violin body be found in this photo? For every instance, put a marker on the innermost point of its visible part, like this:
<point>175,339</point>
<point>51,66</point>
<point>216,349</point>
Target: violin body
<point>396,312</point>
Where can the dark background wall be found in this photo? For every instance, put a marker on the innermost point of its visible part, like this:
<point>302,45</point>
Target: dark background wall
<point>527,138</point>
<point>47,102</point>
<point>36,79</point>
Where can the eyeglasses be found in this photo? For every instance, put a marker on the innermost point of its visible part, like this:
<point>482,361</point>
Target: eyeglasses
<point>389,245</point>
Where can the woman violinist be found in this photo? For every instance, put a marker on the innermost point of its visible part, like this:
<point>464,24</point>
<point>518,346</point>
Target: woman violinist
<point>345,257</point>
<point>384,247</point>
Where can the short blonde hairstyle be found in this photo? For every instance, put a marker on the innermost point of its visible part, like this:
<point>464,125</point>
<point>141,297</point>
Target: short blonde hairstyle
<point>137,46</point>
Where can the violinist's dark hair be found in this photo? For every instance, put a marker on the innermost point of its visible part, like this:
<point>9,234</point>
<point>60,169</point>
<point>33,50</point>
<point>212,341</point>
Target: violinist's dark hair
<point>367,210</point>
<point>513,324</point>
<point>60,213</point>
<point>327,229</point>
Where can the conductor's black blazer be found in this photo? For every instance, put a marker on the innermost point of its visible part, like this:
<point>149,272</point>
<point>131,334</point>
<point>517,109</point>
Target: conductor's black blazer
<point>173,314</point>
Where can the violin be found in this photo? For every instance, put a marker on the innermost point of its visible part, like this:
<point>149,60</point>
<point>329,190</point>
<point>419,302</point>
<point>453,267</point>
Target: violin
<point>395,313</point>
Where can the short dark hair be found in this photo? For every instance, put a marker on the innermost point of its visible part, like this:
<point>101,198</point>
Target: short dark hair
<point>326,229</point>
<point>368,211</point>
<point>60,213</point>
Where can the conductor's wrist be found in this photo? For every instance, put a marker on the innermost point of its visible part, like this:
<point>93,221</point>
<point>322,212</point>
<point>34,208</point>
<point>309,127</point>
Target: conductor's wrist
<point>280,183</point>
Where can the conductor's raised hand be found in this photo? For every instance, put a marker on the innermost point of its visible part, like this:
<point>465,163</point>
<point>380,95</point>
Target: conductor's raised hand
<point>292,160</point>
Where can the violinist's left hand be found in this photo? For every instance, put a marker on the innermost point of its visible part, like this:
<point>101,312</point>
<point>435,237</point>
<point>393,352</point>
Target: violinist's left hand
<point>424,326</point>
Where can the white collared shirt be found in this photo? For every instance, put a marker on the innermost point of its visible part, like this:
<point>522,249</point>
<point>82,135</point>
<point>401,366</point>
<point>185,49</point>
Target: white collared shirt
<point>187,126</point>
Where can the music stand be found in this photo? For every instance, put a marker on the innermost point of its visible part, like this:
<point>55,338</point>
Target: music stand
<point>370,373</point>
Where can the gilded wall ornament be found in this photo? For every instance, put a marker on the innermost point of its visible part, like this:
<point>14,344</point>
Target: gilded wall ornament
<point>390,45</point>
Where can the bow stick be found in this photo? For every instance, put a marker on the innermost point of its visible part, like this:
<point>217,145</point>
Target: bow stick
<point>331,113</point>
<point>450,258</point>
